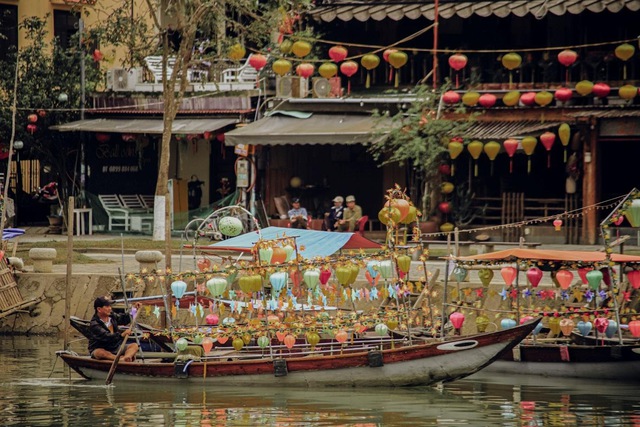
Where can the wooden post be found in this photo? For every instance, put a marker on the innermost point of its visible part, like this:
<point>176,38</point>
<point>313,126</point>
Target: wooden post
<point>67,297</point>
<point>589,184</point>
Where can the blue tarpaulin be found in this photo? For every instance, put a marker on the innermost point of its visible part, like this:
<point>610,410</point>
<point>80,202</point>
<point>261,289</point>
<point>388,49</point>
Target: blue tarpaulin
<point>315,243</point>
<point>10,233</point>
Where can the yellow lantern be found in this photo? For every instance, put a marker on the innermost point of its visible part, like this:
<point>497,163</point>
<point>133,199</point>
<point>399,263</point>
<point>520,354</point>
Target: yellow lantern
<point>511,61</point>
<point>624,52</point>
<point>491,149</point>
<point>301,48</point>
<point>398,59</point>
<point>236,52</point>
<point>564,132</point>
<point>584,87</point>
<point>411,216</point>
<point>281,67</point>
<point>447,227</point>
<point>446,188</point>
<point>470,99</point>
<point>529,145</point>
<point>543,98</point>
<point>328,70</point>
<point>389,216</point>
<point>455,148</point>
<point>369,62</point>
<point>475,149</point>
<point>285,46</point>
<point>511,99</point>
<point>627,92</point>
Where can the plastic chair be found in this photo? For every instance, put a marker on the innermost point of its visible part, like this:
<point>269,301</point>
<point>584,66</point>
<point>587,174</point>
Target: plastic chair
<point>360,225</point>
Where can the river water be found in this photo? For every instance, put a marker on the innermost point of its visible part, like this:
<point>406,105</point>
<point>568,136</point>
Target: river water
<point>36,390</point>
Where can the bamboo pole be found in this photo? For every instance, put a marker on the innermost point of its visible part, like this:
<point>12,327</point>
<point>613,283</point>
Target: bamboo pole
<point>67,297</point>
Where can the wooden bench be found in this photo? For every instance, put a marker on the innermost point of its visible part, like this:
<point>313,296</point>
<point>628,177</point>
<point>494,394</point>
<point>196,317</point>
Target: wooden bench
<point>491,245</point>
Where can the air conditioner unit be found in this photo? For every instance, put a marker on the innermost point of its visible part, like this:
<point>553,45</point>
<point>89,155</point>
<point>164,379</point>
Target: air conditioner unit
<point>327,88</point>
<point>292,87</point>
<point>123,80</point>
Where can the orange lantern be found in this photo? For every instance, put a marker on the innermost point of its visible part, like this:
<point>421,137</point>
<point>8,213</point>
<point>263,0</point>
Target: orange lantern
<point>508,275</point>
<point>328,70</point>
<point>338,53</point>
<point>475,149</point>
<point>529,145</point>
<point>349,68</point>
<point>369,62</point>
<point>289,341</point>
<point>397,60</point>
<point>257,61</point>
<point>510,146</point>
<point>491,149</point>
<point>566,326</point>
<point>279,255</point>
<point>281,67</point>
<point>341,336</point>
<point>401,204</point>
<point>564,278</point>
<point>455,148</point>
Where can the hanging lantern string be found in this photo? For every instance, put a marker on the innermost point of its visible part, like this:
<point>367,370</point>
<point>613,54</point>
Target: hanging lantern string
<point>606,204</point>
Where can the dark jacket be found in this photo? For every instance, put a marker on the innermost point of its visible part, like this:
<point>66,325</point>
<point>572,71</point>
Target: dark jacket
<point>101,337</point>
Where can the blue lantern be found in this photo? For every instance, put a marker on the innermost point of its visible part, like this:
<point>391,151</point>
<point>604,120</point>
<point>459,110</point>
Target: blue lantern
<point>178,288</point>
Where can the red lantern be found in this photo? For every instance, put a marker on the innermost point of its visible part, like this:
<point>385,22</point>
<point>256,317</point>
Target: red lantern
<point>457,62</point>
<point>42,113</point>
<point>325,275</point>
<point>349,68</point>
<point>305,70</point>
<point>601,90</point>
<point>385,56</point>
<point>457,319</point>
<point>528,99</point>
<point>31,128</point>
<point>338,53</point>
<point>487,100</point>
<point>257,61</point>
<point>582,272</point>
<point>634,327</point>
<point>563,94</point>
<point>444,207</point>
<point>32,118</point>
<point>601,324</point>
<point>444,169</point>
<point>564,278</point>
<point>634,278</point>
<point>289,341</point>
<point>510,146</point>
<point>567,57</point>
<point>534,275</point>
<point>97,55</point>
<point>341,336</point>
<point>450,97</point>
<point>220,137</point>
<point>547,139</point>
<point>557,224</point>
<point>508,274</point>
<point>103,137</point>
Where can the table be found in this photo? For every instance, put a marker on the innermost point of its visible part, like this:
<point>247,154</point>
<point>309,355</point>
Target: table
<point>83,218</point>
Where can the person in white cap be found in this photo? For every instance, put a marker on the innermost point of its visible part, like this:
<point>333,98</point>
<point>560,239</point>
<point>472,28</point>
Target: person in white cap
<point>332,217</point>
<point>351,215</point>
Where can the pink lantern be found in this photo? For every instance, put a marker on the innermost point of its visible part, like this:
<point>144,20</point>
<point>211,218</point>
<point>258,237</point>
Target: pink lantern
<point>338,53</point>
<point>325,274</point>
<point>557,224</point>
<point>634,327</point>
<point>385,56</point>
<point>582,272</point>
<point>487,100</point>
<point>450,97</point>
<point>211,319</point>
<point>567,58</point>
<point>349,68</point>
<point>31,128</point>
<point>601,90</point>
<point>305,70</point>
<point>510,146</point>
<point>457,319</point>
<point>547,139</point>
<point>103,137</point>
<point>634,278</point>
<point>257,61</point>
<point>534,275</point>
<point>525,319</point>
<point>457,62</point>
<point>619,220</point>
<point>564,278</point>
<point>508,274</point>
<point>563,94</point>
<point>528,99</point>
<point>444,207</point>
<point>601,324</point>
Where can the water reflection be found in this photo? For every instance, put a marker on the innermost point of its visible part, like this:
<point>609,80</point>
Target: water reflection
<point>29,397</point>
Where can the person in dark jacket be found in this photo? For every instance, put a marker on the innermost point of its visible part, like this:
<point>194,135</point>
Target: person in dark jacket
<point>106,339</point>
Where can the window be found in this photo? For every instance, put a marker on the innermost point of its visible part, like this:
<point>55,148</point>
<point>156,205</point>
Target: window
<point>65,25</point>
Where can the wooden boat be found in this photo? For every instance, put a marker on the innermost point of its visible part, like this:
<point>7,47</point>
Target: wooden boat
<point>363,363</point>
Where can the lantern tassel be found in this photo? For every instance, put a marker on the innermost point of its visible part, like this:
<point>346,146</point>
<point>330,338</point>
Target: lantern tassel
<point>567,76</point>
<point>529,165</point>
<point>624,71</point>
<point>397,80</point>
<point>457,80</point>
<point>368,81</point>
<point>510,79</point>
<point>475,169</point>
<point>390,74</point>
<point>349,86</point>
<point>548,160</point>
<point>511,166</point>
<point>453,169</point>
<point>565,154</point>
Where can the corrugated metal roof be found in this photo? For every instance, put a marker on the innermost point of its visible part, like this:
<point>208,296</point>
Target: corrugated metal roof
<point>396,10</point>
<point>148,126</point>
<point>606,114</point>
<point>504,130</point>
<point>160,112</point>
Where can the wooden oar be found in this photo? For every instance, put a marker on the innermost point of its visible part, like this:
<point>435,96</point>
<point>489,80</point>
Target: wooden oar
<point>114,365</point>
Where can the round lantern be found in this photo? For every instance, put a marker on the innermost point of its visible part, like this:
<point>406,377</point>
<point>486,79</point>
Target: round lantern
<point>305,70</point>
<point>564,132</point>
<point>349,68</point>
<point>491,149</point>
<point>470,99</point>
<point>567,58</point>
<point>230,226</point>
<point>566,326</point>
<point>557,224</point>
<point>511,99</point>
<point>369,62</point>
<point>534,275</point>
<point>444,207</point>
<point>338,53</point>
<point>385,56</point>
<point>32,118</point>
<point>487,100</point>
<point>627,92</point>
<point>285,46</point>
<point>281,67</point>
<point>612,328</point>
<point>257,61</point>
<point>236,52</point>
<point>444,169</point>
<point>510,146</point>
<point>564,278</point>
<point>511,61</point>
<point>547,139</point>
<point>507,323</point>
<point>475,149</point>
<point>457,62</point>
<point>211,319</point>
<point>397,60</point>
<point>508,274</point>
<point>301,48</point>
<point>446,188</point>
<point>624,52</point>
<point>450,97</point>
<point>178,288</point>
<point>601,90</point>
<point>401,204</point>
<point>634,328</point>
<point>328,70</point>
<point>529,145</point>
<point>455,148</point>
<point>543,98</point>
<point>216,286</point>
<point>447,227</point>
<point>563,94</point>
<point>584,87</point>
<point>528,99</point>
<point>279,255</point>
<point>182,344</point>
<point>389,216</point>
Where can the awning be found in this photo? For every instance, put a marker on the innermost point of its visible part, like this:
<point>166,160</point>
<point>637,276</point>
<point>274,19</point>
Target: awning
<point>511,255</point>
<point>310,243</point>
<point>315,129</point>
<point>148,126</point>
<point>504,130</point>
<point>346,10</point>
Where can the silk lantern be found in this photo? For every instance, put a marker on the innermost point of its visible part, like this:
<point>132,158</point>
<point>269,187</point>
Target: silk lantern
<point>601,90</point>
<point>301,48</point>
<point>507,323</point>
<point>632,213</point>
<point>475,149</point>
<point>457,320</point>
<point>349,68</point>
<point>510,146</point>
<point>285,46</point>
<point>236,52</point>
<point>338,53</point>
<point>557,224</point>
<point>529,145</point>
<point>257,61</point>
<point>534,275</point>
<point>511,61</point>
<point>328,70</point>
<point>485,275</point>
<point>547,139</point>
<point>511,99</point>
<point>450,97</point>
<point>564,132</point>
<point>385,56</point>
<point>457,62</point>
<point>397,60</point>
<point>487,100</point>
<point>584,327</point>
<point>594,277</point>
<point>624,52</point>
<point>455,148</point>
<point>567,57</point>
<point>582,272</point>
<point>178,288</point>
<point>566,326</point>
<point>584,87</point>
<point>634,279</point>
<point>543,98</point>
<point>634,328</point>
<point>528,99</point>
<point>470,99</point>
<point>491,149</point>
<point>564,278</point>
<point>627,92</point>
<point>601,324</point>
<point>563,94</point>
<point>281,67</point>
<point>447,187</point>
<point>305,70</point>
<point>508,274</point>
<point>369,62</point>
<point>612,328</point>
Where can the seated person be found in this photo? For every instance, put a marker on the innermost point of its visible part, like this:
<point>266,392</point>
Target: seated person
<point>332,217</point>
<point>106,339</point>
<point>351,215</point>
<point>298,215</point>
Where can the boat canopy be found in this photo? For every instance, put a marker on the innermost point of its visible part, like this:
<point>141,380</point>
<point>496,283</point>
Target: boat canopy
<point>509,255</point>
<point>310,243</point>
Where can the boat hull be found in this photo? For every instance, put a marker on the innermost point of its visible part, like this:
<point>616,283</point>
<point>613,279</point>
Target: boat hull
<point>421,364</point>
